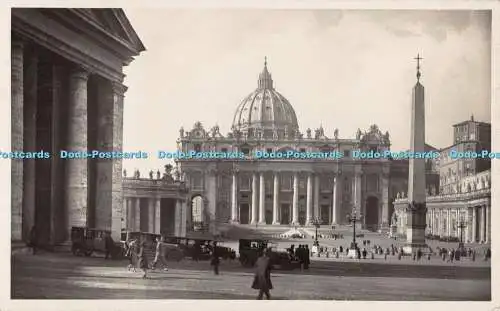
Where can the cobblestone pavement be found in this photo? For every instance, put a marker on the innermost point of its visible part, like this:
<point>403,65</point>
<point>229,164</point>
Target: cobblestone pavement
<point>56,276</point>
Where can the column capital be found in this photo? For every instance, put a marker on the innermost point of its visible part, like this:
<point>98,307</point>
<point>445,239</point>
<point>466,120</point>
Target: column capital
<point>386,171</point>
<point>358,170</point>
<point>118,88</point>
<point>80,72</point>
<point>17,43</point>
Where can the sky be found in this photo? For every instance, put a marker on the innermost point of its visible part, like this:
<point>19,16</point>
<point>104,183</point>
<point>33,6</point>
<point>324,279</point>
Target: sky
<point>339,69</point>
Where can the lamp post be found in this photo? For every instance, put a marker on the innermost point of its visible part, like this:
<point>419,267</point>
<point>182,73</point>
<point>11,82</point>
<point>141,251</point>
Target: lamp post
<point>353,218</point>
<point>462,225</point>
<point>316,222</point>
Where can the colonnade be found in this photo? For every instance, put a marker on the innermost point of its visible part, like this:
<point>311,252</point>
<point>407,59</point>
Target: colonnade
<point>472,223</point>
<point>153,219</point>
<point>53,114</point>
<point>132,215</point>
<point>258,197</point>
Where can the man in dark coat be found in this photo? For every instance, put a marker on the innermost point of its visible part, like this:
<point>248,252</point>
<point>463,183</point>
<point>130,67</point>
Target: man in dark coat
<point>307,255</point>
<point>215,259</point>
<point>262,278</point>
<point>109,245</point>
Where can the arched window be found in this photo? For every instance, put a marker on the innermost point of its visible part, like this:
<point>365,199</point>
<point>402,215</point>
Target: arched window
<point>197,210</point>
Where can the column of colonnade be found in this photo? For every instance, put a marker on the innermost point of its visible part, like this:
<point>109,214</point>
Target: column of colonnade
<point>132,214</point>
<point>446,222</point>
<point>258,198</point>
<point>75,176</point>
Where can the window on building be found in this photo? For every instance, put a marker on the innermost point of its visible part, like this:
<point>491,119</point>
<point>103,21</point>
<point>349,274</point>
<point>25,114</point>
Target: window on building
<point>269,150</point>
<point>347,153</point>
<point>197,147</point>
<point>302,149</point>
<point>224,150</point>
<point>286,182</point>
<point>197,210</point>
<point>246,151</point>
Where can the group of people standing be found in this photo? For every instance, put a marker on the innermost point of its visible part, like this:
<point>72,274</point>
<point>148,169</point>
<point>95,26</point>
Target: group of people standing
<point>135,251</point>
<point>302,254</point>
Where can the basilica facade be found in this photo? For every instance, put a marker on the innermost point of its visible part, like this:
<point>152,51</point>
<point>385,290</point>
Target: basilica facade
<point>295,190</point>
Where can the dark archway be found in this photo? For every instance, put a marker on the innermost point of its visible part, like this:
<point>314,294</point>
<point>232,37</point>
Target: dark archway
<point>197,212</point>
<point>269,217</point>
<point>371,211</point>
<point>285,214</point>
<point>244,213</point>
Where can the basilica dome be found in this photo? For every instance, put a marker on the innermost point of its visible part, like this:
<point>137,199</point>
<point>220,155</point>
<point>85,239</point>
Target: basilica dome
<point>265,111</point>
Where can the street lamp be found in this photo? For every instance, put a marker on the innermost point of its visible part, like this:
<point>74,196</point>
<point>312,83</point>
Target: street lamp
<point>316,222</point>
<point>353,218</point>
<point>462,225</point>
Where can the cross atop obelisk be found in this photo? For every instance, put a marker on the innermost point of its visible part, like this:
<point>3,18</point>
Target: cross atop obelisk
<point>418,58</point>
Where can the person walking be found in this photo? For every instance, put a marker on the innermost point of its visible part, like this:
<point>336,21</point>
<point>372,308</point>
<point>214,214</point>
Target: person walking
<point>159,255</point>
<point>131,254</point>
<point>262,277</point>
<point>215,262</point>
<point>143,260</point>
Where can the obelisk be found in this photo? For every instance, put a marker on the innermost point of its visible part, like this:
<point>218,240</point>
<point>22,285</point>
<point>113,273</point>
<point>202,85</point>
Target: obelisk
<point>416,209</point>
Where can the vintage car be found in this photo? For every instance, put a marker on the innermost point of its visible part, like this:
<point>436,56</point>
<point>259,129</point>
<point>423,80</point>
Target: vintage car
<point>225,252</point>
<point>250,251</point>
<point>86,241</point>
<point>282,260</point>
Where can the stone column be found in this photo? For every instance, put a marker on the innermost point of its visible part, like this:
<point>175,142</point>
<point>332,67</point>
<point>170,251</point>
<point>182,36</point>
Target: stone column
<point>137,224</point>
<point>309,211</point>
<point>178,218</point>
<point>76,169</point>
<point>385,197</point>
<point>468,225</point>
<point>117,145</point>
<point>334,201</point>
<point>125,214</point>
<point>316,196</point>
<point>262,199</point>
<point>357,194</point>
<point>17,133</point>
<point>488,223</point>
<point>151,215</point>
<point>234,199</point>
<point>295,202</point>
<point>130,214</point>
<point>483,223</point>
<point>276,200</point>
<point>474,224</point>
<point>254,199</point>
<point>157,216</point>
<point>448,231</point>
<point>30,102</point>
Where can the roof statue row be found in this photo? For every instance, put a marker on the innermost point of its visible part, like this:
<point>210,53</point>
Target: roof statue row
<point>170,174</point>
<point>372,136</point>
